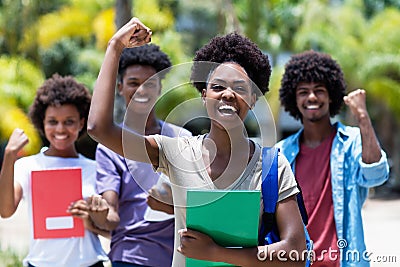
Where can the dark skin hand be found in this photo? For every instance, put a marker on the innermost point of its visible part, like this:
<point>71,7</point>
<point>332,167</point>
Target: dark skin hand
<point>156,204</point>
<point>80,209</point>
<point>103,210</point>
<point>11,193</point>
<point>161,199</point>
<point>98,208</point>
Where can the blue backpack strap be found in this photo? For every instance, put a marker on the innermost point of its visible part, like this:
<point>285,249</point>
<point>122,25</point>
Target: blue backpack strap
<point>269,186</point>
<point>302,207</point>
<point>270,183</point>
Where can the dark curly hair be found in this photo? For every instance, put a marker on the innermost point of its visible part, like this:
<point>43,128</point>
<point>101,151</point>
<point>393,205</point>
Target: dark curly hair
<point>236,48</point>
<point>312,66</point>
<point>57,91</point>
<point>149,54</point>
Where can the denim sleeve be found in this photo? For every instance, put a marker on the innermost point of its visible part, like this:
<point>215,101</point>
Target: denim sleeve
<point>374,174</point>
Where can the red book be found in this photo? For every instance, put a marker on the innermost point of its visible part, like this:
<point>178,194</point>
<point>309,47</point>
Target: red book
<point>52,193</point>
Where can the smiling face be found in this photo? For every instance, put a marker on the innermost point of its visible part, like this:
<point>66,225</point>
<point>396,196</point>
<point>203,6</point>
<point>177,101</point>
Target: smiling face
<point>139,92</point>
<point>229,95</point>
<point>313,101</point>
<point>62,125</point>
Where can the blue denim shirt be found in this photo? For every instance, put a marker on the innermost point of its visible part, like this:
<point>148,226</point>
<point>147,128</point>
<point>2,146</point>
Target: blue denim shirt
<point>351,179</point>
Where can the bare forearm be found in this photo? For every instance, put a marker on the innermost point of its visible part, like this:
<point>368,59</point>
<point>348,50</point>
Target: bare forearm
<point>371,150</point>
<point>8,205</point>
<point>109,224</point>
<point>104,210</point>
<point>101,124</point>
<point>103,233</point>
<point>155,204</point>
<point>101,119</point>
<point>96,230</point>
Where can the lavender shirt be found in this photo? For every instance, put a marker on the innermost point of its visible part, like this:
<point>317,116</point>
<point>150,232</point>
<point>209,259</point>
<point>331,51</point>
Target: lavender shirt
<point>136,240</point>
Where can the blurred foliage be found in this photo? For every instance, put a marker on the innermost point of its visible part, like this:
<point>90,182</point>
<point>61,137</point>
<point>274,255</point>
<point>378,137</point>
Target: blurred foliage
<point>10,258</point>
<point>273,94</point>
<point>104,28</point>
<point>373,7</point>
<point>61,58</point>
<point>92,7</point>
<point>19,80</point>
<point>14,117</point>
<point>150,12</point>
<point>89,61</point>
<point>270,24</point>
<point>18,84</point>
<point>17,15</point>
<point>54,26</point>
<point>197,22</point>
<point>172,44</point>
<point>383,34</point>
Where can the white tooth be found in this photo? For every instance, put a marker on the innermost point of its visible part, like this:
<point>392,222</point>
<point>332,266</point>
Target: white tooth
<point>141,99</point>
<point>312,107</point>
<point>227,107</point>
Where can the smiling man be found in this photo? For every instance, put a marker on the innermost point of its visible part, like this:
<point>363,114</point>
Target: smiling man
<point>333,163</point>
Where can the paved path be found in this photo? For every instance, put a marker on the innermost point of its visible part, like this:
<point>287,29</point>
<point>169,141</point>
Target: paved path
<point>382,235</point>
<point>381,223</point>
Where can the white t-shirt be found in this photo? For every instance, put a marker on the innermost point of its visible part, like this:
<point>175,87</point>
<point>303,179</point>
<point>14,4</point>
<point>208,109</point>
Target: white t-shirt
<point>76,251</point>
<point>181,160</point>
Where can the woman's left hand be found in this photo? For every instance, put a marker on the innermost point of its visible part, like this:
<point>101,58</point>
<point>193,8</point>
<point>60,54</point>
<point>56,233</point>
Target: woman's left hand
<point>196,245</point>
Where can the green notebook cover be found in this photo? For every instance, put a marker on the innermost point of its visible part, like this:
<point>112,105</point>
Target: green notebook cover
<point>231,218</point>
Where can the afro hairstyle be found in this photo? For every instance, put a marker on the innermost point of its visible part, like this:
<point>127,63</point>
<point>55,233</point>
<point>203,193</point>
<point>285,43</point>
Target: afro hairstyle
<point>57,91</point>
<point>312,66</point>
<point>236,48</point>
<point>148,54</point>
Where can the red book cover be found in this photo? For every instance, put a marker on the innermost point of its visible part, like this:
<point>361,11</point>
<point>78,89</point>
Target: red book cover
<point>52,193</point>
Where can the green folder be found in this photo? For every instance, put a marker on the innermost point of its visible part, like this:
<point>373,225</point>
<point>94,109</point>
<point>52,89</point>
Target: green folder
<point>231,218</point>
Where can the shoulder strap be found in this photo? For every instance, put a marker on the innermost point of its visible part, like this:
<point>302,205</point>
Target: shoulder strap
<point>269,186</point>
<point>302,207</point>
<point>269,190</point>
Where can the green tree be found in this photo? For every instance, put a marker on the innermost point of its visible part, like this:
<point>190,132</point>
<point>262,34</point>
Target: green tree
<point>18,15</point>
